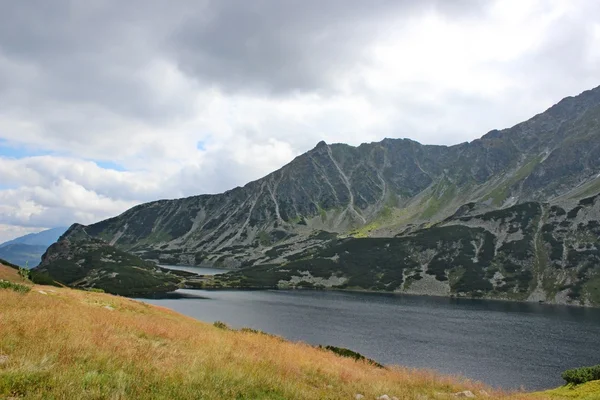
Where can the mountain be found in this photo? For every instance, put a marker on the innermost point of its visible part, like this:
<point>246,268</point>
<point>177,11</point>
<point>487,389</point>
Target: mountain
<point>24,255</point>
<point>27,250</point>
<point>396,189</point>
<point>43,238</point>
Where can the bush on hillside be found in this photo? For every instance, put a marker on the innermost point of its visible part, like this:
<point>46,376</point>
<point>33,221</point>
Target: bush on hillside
<point>17,287</point>
<point>25,273</point>
<point>341,351</point>
<point>42,278</point>
<point>581,375</point>
<point>221,325</point>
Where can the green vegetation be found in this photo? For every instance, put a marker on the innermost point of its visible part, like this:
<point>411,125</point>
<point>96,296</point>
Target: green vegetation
<point>586,391</point>
<point>582,375</point>
<point>592,290</point>
<point>17,287</point>
<point>93,264</point>
<point>221,325</point>
<point>442,195</point>
<point>263,238</point>
<point>501,193</point>
<point>467,258</point>
<point>341,351</point>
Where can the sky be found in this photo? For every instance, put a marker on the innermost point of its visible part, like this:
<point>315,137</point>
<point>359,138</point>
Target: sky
<point>106,104</point>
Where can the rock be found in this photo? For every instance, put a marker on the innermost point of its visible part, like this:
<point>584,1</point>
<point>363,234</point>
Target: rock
<point>359,396</point>
<point>484,393</point>
<point>3,359</point>
<point>109,308</point>
<point>384,397</point>
<point>42,292</point>
<point>466,393</point>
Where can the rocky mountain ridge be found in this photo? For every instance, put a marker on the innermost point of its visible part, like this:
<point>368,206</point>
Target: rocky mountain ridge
<point>377,190</point>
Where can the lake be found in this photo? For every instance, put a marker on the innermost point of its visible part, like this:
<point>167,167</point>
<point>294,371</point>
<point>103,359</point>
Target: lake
<point>504,344</point>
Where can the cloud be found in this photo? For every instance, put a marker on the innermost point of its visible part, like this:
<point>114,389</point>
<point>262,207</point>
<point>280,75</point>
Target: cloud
<point>293,46</point>
<point>201,96</point>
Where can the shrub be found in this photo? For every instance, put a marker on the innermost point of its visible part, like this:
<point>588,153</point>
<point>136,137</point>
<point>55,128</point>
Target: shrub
<point>221,325</point>
<point>25,273</point>
<point>17,287</point>
<point>341,351</point>
<point>581,375</point>
<point>42,278</point>
<point>259,332</point>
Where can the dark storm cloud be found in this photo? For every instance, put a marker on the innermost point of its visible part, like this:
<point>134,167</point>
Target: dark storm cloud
<point>94,51</point>
<point>283,46</point>
<point>84,53</point>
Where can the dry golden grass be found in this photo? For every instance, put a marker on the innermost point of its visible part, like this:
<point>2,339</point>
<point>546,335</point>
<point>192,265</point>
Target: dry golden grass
<point>11,274</point>
<point>69,344</point>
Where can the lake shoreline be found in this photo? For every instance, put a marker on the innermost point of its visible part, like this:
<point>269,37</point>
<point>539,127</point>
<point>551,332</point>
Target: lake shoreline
<point>359,290</point>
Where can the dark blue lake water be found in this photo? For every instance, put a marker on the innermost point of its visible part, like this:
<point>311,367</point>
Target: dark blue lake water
<point>504,344</point>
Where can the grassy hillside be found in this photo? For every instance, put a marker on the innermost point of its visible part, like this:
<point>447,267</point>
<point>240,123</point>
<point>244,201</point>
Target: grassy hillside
<point>11,274</point>
<point>588,391</point>
<point>66,344</point>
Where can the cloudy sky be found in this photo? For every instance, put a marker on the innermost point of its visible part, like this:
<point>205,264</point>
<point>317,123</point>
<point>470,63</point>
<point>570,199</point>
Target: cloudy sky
<point>105,104</point>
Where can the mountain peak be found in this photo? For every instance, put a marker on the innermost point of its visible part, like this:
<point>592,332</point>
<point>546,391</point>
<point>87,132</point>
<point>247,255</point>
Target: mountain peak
<point>321,144</point>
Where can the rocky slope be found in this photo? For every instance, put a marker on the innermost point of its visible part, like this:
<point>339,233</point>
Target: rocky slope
<point>531,251</point>
<point>384,189</point>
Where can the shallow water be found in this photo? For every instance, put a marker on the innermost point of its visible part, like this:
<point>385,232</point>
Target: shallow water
<point>197,270</point>
<point>504,344</point>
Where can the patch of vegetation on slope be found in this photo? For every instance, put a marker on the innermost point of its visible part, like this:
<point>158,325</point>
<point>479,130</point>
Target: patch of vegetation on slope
<point>63,343</point>
<point>78,260</point>
<point>493,255</point>
<point>501,193</point>
<point>586,391</point>
<point>572,241</point>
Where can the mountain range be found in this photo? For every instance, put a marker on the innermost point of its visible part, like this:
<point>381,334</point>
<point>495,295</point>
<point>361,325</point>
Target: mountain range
<point>26,251</point>
<point>511,215</point>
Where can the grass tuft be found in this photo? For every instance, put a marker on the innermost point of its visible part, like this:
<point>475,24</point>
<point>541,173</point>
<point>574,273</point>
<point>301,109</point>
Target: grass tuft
<point>17,287</point>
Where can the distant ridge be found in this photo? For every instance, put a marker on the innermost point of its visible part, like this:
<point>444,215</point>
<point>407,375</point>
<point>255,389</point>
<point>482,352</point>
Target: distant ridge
<point>26,251</point>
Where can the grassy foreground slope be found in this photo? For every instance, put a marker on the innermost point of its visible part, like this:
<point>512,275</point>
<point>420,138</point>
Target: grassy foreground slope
<point>59,343</point>
<point>588,391</point>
